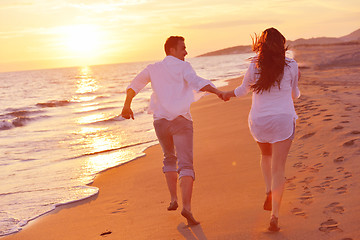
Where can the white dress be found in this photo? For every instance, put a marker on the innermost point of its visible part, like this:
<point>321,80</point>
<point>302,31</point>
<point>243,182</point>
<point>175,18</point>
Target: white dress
<point>272,116</point>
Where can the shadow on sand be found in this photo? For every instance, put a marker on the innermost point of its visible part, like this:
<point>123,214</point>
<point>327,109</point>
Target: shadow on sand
<point>191,232</point>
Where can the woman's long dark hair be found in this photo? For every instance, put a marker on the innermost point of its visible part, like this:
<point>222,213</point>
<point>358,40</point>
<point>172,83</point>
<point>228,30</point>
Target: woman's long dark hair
<point>270,62</point>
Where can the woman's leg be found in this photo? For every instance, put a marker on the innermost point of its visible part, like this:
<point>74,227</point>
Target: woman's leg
<point>280,151</point>
<point>265,163</point>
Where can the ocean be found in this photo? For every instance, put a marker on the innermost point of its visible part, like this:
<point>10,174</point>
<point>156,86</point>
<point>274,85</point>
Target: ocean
<point>60,127</point>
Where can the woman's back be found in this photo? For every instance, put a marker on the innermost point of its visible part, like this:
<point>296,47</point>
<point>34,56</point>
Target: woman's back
<point>279,99</point>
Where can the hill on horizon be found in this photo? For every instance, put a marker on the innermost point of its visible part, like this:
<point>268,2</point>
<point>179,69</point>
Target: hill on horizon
<point>352,38</point>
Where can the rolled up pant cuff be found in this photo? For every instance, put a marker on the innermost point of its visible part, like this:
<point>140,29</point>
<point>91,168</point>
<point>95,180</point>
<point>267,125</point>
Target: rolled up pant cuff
<point>187,172</point>
<point>169,169</point>
<point>182,173</point>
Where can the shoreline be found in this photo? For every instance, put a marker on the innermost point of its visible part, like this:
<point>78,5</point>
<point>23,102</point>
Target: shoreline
<point>321,193</point>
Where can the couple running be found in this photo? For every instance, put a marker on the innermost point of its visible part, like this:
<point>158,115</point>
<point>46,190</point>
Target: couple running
<point>273,80</point>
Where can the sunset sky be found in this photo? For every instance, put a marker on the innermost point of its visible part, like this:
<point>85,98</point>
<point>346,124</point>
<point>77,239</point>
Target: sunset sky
<point>57,33</point>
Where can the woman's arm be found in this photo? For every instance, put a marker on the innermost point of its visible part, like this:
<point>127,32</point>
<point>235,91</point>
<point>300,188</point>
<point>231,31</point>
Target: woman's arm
<point>295,88</point>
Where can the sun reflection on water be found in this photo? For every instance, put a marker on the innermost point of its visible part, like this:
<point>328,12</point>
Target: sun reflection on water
<point>96,117</point>
<point>85,82</point>
<point>103,147</point>
<point>99,145</point>
<point>96,139</point>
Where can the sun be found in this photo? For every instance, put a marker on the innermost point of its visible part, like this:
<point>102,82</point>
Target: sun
<point>83,40</point>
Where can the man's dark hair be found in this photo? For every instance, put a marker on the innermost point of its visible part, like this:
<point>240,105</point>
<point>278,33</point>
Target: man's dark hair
<point>172,42</point>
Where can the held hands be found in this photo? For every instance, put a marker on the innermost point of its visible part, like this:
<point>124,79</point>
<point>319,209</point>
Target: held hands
<point>225,96</point>
<point>127,113</point>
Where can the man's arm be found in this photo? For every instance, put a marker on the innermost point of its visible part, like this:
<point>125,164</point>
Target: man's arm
<point>138,83</point>
<point>211,89</point>
<point>126,111</point>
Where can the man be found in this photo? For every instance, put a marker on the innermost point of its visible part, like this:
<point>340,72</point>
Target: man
<point>173,81</point>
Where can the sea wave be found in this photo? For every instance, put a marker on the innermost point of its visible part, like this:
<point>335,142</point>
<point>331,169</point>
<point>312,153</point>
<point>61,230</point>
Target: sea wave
<point>54,103</point>
<point>22,113</point>
<point>6,124</point>
<point>20,117</point>
<point>17,122</point>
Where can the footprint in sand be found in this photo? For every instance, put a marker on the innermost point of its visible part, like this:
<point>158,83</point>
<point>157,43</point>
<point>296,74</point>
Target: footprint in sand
<point>329,225</point>
<point>349,143</point>
<point>318,189</point>
<point>327,119</point>
<point>298,165</point>
<point>313,170</point>
<point>339,159</point>
<point>316,167</point>
<point>355,132</point>
<point>291,187</point>
<point>319,165</point>
<point>325,154</point>
<point>306,198</point>
<point>290,179</point>
<point>340,169</point>
<point>348,175</point>
<point>308,135</point>
<point>342,189</point>
<point>298,212</point>
<point>334,208</point>
<point>303,169</point>
<point>121,206</point>
<point>330,178</point>
<point>316,114</point>
<point>307,180</point>
<point>338,127</point>
<point>345,121</point>
<point>325,184</point>
<point>302,157</point>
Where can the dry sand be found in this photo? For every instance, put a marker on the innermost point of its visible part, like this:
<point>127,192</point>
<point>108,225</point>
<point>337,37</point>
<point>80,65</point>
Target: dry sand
<point>322,192</point>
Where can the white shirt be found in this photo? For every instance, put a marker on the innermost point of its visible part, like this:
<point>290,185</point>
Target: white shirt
<point>172,81</point>
<point>272,115</point>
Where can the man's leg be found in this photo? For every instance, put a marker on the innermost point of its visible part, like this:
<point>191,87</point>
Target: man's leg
<point>182,130</point>
<point>171,180</point>
<point>186,185</point>
<point>166,141</point>
<point>183,140</point>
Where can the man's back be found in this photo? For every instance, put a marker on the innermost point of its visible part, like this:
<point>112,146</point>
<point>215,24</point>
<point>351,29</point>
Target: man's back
<point>173,82</point>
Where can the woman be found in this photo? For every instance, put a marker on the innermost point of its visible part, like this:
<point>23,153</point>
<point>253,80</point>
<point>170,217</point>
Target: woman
<point>273,80</point>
